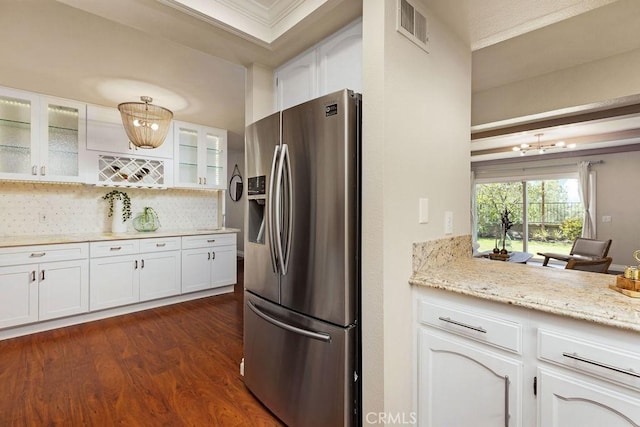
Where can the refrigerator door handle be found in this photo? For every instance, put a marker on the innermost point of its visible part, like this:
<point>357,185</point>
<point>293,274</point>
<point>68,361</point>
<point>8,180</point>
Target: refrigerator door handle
<point>278,218</point>
<point>304,332</point>
<point>287,251</point>
<point>270,211</point>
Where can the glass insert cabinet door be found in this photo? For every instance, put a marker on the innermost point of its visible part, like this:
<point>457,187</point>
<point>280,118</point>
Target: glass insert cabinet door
<point>18,134</point>
<point>63,133</point>
<point>200,156</point>
<point>40,138</point>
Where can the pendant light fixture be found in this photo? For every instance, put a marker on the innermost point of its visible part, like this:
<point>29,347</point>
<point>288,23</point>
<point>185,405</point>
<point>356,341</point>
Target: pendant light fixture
<point>146,124</point>
<point>539,147</point>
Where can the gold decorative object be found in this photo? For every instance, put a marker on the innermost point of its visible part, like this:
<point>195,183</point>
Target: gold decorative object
<point>146,124</point>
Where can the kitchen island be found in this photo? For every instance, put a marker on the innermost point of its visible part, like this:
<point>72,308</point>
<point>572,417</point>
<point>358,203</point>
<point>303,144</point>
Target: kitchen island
<point>521,345</point>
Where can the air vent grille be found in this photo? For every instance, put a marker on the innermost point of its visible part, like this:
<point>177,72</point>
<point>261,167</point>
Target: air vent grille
<point>412,23</point>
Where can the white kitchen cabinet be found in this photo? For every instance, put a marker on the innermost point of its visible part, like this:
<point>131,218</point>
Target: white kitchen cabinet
<point>63,289</point>
<point>114,281</point>
<point>333,64</point>
<point>160,272</point>
<point>340,61</point>
<point>200,156</point>
<point>297,80</point>
<point>208,261</point>
<point>41,138</point>
<point>463,383</point>
<point>105,133</point>
<point>18,295</point>
<point>128,271</point>
<point>562,371</point>
<point>573,400</point>
<point>43,282</point>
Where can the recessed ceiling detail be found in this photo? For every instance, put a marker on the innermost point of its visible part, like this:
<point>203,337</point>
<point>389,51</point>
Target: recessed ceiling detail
<point>260,20</point>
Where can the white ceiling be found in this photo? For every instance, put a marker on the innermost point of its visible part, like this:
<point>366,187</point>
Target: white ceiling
<point>190,54</point>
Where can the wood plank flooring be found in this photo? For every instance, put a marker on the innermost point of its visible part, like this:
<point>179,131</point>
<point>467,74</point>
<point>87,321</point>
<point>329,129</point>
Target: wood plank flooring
<point>170,366</point>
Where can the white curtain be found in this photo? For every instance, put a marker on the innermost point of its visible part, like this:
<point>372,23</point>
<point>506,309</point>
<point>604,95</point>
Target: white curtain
<point>585,188</point>
<point>474,220</point>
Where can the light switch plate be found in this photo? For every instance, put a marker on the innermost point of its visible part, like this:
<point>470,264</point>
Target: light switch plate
<point>423,211</point>
<point>448,222</point>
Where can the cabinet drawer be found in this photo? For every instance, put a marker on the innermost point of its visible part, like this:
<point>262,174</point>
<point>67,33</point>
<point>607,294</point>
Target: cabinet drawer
<point>480,327</point>
<point>208,240</point>
<point>159,244</point>
<point>43,253</point>
<point>591,357</point>
<point>115,247</point>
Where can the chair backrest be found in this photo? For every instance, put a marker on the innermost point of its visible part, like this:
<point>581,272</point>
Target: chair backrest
<point>591,247</point>
<point>596,265</point>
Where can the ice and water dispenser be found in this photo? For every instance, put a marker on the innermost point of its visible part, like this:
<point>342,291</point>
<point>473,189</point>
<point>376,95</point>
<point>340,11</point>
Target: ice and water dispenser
<point>257,214</point>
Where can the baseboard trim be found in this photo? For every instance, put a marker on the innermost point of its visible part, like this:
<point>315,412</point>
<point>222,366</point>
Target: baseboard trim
<point>47,325</point>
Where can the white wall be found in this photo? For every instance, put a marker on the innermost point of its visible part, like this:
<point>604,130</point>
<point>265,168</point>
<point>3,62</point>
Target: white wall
<point>593,82</point>
<point>416,116</point>
<point>235,210</point>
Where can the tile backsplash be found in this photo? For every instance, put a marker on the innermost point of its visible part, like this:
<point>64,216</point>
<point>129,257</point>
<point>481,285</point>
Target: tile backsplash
<point>41,209</point>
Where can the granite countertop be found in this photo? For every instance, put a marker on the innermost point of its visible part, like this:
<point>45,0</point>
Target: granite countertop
<point>576,294</point>
<point>12,241</point>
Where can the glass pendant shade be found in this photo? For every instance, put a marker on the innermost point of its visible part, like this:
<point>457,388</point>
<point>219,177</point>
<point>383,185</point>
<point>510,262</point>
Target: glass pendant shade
<point>146,124</point>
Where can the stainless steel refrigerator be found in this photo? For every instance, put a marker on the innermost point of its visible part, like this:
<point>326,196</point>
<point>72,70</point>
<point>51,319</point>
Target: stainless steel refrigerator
<point>302,262</point>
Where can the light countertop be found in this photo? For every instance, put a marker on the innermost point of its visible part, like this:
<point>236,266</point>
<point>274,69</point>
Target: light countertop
<point>576,294</point>
<point>12,241</point>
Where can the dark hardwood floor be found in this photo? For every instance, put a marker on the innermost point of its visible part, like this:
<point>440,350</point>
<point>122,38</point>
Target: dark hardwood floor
<point>170,366</point>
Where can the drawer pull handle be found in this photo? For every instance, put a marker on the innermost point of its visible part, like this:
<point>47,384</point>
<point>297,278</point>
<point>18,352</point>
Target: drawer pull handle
<point>160,245</point>
<point>33,276</point>
<point>211,241</point>
<point>37,254</point>
<point>464,325</point>
<point>42,275</point>
<point>136,265</point>
<point>115,248</point>
<point>602,365</point>
<point>142,264</point>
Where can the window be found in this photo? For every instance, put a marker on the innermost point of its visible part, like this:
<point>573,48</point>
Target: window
<point>546,213</point>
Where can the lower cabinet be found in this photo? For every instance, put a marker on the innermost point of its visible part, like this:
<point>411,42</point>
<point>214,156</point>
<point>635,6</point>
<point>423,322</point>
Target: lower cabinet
<point>45,282</point>
<point>523,368</point>
<point>137,276</point>
<point>209,263</point>
<point>572,400</point>
<point>32,289</point>
<point>463,384</point>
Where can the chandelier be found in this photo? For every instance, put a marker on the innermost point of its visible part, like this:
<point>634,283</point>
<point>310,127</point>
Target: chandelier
<point>146,124</point>
<point>540,147</point>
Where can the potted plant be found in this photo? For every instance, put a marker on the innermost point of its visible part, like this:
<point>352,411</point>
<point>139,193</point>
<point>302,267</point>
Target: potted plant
<point>119,210</point>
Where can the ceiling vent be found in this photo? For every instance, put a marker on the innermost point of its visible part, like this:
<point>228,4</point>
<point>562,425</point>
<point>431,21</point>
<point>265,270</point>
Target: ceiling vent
<point>412,23</point>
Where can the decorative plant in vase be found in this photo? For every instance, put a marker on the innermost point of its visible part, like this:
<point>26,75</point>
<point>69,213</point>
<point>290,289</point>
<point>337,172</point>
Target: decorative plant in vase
<point>506,224</point>
<point>119,210</point>
<point>147,220</point>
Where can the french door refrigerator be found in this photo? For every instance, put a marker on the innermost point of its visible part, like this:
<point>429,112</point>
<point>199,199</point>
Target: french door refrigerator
<point>302,266</point>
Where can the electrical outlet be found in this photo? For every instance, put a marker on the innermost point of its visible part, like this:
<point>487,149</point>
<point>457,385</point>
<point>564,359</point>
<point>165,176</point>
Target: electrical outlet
<point>43,217</point>
<point>606,218</point>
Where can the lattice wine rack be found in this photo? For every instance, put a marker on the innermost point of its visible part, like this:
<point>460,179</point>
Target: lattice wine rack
<point>132,172</point>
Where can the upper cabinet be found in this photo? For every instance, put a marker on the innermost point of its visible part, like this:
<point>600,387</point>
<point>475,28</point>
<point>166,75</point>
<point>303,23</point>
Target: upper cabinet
<point>200,156</point>
<point>331,65</point>
<point>41,138</point>
<point>105,132</point>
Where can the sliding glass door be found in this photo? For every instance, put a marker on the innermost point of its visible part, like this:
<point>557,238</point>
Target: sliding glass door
<point>546,214</point>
